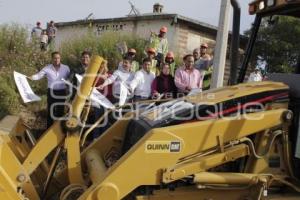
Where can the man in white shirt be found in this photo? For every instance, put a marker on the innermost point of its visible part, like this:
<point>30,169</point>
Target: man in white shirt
<point>255,76</point>
<point>56,92</point>
<point>123,75</point>
<point>141,84</point>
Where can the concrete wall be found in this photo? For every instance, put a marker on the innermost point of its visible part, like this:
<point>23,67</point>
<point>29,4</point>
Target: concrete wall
<point>140,28</point>
<point>189,39</point>
<point>67,33</point>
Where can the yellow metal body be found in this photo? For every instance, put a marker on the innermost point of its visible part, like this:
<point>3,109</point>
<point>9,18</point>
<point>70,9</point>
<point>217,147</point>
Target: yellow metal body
<point>203,146</point>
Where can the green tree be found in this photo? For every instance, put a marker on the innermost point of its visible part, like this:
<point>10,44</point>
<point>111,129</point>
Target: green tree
<point>278,44</point>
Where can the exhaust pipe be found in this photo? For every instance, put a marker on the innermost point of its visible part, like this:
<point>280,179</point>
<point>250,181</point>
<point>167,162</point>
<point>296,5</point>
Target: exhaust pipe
<point>235,42</point>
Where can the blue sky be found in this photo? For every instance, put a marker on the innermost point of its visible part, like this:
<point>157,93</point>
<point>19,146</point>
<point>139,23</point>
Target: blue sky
<point>27,12</point>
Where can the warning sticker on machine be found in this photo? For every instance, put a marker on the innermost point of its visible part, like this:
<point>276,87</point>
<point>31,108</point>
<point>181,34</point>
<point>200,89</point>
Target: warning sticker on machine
<point>162,147</point>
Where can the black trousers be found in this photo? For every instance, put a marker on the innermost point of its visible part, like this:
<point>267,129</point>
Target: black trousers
<point>53,110</point>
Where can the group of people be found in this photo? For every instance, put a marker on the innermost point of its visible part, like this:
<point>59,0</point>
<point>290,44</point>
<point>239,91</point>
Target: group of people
<point>157,76</point>
<point>44,36</point>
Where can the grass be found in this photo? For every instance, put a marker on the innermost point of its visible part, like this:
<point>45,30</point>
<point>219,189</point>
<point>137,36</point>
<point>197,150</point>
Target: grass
<point>19,53</point>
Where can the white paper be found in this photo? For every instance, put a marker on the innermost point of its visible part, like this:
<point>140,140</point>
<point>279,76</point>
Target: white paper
<point>123,94</point>
<point>99,98</point>
<point>24,88</point>
<point>79,78</point>
<point>194,91</point>
<point>96,97</point>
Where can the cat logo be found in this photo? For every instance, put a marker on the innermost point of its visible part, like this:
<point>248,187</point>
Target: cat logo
<point>163,147</point>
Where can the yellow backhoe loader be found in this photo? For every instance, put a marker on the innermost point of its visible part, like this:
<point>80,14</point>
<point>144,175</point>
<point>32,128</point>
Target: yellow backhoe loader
<point>240,142</point>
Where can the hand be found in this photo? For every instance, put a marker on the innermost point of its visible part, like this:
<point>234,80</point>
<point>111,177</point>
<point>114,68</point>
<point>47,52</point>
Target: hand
<point>188,88</point>
<point>100,87</point>
<point>155,94</point>
<point>152,33</point>
<point>29,77</point>
<point>103,76</point>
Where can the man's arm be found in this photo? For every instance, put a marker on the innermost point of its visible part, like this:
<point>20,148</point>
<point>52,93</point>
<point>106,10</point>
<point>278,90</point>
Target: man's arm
<point>165,48</point>
<point>111,79</point>
<point>39,75</point>
<point>178,81</point>
<point>136,80</point>
<point>201,77</point>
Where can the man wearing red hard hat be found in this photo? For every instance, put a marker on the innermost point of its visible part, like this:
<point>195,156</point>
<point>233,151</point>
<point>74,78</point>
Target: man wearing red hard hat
<point>151,53</point>
<point>205,60</point>
<point>160,43</point>
<point>170,59</point>
<point>131,53</point>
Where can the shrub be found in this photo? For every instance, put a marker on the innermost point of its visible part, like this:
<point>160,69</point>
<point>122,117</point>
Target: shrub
<point>18,53</point>
<point>9,103</point>
<point>105,46</point>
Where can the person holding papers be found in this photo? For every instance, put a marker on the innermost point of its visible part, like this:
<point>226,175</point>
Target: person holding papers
<point>56,93</point>
<point>122,76</point>
<point>141,84</point>
<point>187,78</point>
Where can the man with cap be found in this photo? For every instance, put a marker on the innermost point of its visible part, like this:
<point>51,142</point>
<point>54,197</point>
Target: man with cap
<point>151,55</point>
<point>160,43</point>
<point>170,60</point>
<point>131,53</point>
<point>134,65</point>
<point>36,31</point>
<point>196,54</point>
<point>205,60</point>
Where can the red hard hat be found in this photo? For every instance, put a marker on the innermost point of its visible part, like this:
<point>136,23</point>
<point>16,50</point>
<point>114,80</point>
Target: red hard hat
<point>170,55</point>
<point>132,50</point>
<point>151,50</point>
<point>163,29</point>
<point>205,45</point>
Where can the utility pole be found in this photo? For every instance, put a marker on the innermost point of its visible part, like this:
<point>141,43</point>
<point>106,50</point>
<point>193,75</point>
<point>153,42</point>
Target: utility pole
<point>221,45</point>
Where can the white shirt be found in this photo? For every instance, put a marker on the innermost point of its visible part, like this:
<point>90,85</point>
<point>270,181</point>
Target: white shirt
<point>141,84</point>
<point>120,75</point>
<point>44,39</point>
<point>54,76</point>
<point>255,77</point>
